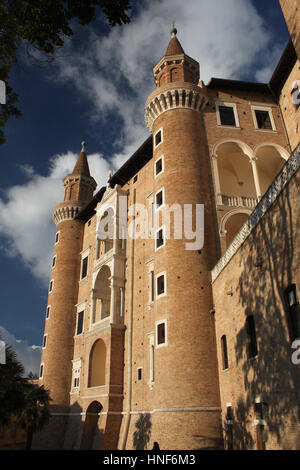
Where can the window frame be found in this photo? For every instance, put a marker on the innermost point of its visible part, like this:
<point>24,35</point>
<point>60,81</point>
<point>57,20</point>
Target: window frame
<point>157,324</point>
<point>227,104</point>
<point>161,140</point>
<point>163,228</point>
<point>156,207</point>
<point>161,158</point>
<point>77,322</point>
<point>157,276</point>
<point>82,267</point>
<point>268,109</point>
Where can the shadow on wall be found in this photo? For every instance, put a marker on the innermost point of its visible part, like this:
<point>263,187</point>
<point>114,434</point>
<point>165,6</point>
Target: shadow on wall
<point>267,271</point>
<point>141,436</point>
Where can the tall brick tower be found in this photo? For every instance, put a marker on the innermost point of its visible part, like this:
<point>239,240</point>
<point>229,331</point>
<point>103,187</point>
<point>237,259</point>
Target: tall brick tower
<point>291,12</point>
<point>58,342</point>
<point>186,379</point>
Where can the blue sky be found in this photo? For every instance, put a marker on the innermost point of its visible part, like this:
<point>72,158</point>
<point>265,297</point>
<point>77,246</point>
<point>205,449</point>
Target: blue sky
<point>95,90</point>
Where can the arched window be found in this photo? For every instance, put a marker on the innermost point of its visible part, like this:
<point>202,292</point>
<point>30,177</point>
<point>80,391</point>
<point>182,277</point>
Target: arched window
<point>97,364</point>
<point>224,352</point>
<point>251,336</point>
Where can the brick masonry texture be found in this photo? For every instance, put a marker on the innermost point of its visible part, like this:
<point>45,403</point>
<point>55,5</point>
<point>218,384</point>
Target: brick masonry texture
<point>184,405</point>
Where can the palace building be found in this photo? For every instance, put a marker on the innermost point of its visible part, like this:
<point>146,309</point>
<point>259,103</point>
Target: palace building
<point>152,338</point>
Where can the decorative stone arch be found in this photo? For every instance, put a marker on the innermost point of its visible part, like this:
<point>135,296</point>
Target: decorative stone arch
<point>244,147</point>
<point>101,293</point>
<point>247,152</point>
<point>226,238</point>
<point>97,364</point>
<point>269,160</point>
<point>282,151</point>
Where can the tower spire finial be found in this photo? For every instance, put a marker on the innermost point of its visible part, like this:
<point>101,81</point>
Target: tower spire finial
<point>83,146</point>
<point>173,31</point>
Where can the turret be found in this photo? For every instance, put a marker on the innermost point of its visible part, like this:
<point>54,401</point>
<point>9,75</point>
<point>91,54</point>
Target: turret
<point>58,343</point>
<point>186,379</point>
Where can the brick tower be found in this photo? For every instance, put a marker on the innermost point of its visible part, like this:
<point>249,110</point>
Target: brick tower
<point>58,342</point>
<point>184,403</point>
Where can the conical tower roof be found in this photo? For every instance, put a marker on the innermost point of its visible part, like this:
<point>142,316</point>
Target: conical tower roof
<point>82,166</point>
<point>174,46</point>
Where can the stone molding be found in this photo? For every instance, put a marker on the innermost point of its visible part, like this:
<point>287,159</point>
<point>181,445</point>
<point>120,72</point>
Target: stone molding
<point>289,169</point>
<point>173,98</point>
<point>65,213</point>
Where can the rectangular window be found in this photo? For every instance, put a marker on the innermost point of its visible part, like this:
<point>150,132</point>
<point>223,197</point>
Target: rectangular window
<point>80,317</point>
<point>56,237</point>
<point>158,138</point>
<point>159,199</point>
<point>263,119</point>
<point>227,115</point>
<point>53,261</point>
<point>51,286</point>
<point>41,371</point>
<point>140,373</point>
<point>84,267</point>
<point>76,382</point>
<point>160,285</point>
<point>135,179</point>
<point>161,333</point>
<point>159,166</point>
<point>44,341</point>
<point>160,238</point>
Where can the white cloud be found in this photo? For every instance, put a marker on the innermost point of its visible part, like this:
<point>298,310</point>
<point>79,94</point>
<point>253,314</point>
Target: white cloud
<point>26,212</point>
<point>115,74</point>
<point>115,71</point>
<point>28,355</point>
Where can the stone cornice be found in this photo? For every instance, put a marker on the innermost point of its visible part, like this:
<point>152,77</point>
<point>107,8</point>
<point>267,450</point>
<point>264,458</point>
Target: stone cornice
<point>68,212</point>
<point>173,96</point>
<point>282,179</point>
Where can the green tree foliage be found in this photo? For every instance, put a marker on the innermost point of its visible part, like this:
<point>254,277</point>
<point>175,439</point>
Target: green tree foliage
<point>45,25</point>
<point>21,401</point>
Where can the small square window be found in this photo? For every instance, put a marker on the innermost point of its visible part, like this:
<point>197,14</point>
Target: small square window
<point>227,117</point>
<point>84,267</point>
<point>160,285</point>
<point>161,333</point>
<point>263,119</point>
<point>80,323</point>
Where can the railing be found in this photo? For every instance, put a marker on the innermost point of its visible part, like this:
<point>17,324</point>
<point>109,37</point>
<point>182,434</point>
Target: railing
<point>282,179</point>
<point>237,201</point>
